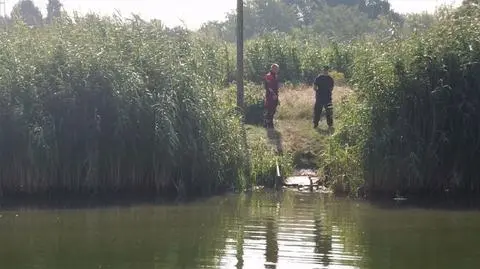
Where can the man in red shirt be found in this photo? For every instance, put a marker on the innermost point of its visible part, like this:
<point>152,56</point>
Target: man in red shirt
<point>271,85</point>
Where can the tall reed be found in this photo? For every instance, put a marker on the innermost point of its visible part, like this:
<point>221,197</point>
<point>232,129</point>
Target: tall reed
<point>416,128</point>
<point>300,60</point>
<point>93,105</point>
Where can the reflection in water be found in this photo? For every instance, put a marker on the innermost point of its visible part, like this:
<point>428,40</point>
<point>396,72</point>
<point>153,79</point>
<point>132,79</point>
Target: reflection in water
<point>258,230</point>
<point>239,254</point>
<point>289,231</point>
<point>272,245</point>
<point>323,242</point>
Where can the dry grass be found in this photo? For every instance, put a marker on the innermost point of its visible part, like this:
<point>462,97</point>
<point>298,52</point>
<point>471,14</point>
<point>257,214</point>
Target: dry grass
<point>294,127</point>
<point>297,102</point>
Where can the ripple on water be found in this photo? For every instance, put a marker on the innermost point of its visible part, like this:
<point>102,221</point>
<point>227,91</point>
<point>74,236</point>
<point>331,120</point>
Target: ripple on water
<point>301,240</point>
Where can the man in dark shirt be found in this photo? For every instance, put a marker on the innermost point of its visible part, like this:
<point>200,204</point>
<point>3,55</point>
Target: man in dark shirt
<point>323,87</point>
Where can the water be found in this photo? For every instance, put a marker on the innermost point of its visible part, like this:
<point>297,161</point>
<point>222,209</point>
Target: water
<point>260,230</point>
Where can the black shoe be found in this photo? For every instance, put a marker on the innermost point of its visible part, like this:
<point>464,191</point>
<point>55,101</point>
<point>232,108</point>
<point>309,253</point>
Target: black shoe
<point>315,125</point>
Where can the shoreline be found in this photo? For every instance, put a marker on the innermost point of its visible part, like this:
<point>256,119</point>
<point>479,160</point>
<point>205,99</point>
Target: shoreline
<point>77,201</point>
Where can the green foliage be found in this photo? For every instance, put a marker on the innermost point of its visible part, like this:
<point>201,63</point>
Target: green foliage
<point>103,105</point>
<point>214,59</point>
<point>415,126</point>
<point>261,155</point>
<point>342,157</point>
<point>262,52</point>
<point>264,161</point>
<point>415,23</point>
<point>253,99</point>
<point>300,61</point>
<point>339,78</point>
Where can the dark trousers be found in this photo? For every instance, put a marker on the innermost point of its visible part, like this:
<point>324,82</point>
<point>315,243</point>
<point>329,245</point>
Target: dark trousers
<point>319,106</point>
<point>269,113</point>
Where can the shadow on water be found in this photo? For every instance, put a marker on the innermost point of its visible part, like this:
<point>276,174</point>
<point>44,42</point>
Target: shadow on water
<point>104,200</point>
<point>441,201</point>
<point>444,205</point>
<point>145,236</point>
<point>45,201</point>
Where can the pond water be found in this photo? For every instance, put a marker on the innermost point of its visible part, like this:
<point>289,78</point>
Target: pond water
<point>257,230</point>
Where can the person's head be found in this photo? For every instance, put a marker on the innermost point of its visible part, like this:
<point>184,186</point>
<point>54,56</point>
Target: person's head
<point>325,70</point>
<point>274,68</point>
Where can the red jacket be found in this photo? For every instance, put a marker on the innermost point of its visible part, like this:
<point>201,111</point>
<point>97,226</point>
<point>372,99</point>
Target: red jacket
<point>271,84</point>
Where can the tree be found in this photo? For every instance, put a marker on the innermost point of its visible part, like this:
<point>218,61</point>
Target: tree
<point>471,2</point>
<point>26,11</point>
<point>375,8</point>
<point>342,23</point>
<point>53,10</point>
<point>469,8</point>
<point>272,15</point>
<point>305,10</point>
<point>340,20</point>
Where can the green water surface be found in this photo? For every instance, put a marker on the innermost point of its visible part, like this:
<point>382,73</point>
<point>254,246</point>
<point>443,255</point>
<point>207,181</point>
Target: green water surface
<point>259,230</point>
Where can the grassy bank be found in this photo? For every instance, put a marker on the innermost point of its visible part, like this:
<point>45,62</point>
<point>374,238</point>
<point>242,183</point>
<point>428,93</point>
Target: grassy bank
<point>294,137</point>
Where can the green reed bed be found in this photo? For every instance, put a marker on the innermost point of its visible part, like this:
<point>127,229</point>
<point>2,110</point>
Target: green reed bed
<point>413,126</point>
<point>300,60</point>
<point>91,105</point>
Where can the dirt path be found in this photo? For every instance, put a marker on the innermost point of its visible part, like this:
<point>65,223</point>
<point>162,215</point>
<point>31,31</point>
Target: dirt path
<point>294,132</point>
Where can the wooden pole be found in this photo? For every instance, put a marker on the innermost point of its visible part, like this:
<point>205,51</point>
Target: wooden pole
<point>240,85</point>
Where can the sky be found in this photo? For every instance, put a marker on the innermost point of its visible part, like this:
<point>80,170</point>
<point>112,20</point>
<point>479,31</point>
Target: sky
<point>192,13</point>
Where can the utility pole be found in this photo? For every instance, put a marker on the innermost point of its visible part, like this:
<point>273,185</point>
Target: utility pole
<point>240,86</point>
<point>3,9</point>
<point>3,13</point>
<point>241,106</point>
